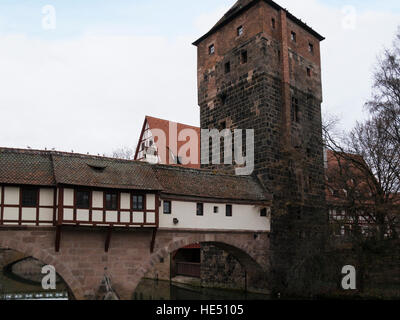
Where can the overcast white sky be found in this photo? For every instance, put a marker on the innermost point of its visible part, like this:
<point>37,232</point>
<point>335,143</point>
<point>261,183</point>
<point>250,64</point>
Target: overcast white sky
<point>87,85</point>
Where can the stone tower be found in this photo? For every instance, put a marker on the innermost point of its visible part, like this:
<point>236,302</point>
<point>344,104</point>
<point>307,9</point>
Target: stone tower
<point>259,68</point>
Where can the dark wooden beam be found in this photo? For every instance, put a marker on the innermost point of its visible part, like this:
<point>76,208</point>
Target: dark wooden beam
<point>108,240</point>
<point>58,238</point>
<point>153,240</point>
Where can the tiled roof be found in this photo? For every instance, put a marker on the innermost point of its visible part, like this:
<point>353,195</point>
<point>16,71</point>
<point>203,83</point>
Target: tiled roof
<point>241,6</point>
<point>206,183</point>
<point>104,172</point>
<point>26,167</point>
<point>49,168</point>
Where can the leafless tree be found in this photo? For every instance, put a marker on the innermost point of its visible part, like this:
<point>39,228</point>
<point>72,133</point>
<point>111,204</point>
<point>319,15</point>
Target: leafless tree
<point>368,158</point>
<point>125,153</point>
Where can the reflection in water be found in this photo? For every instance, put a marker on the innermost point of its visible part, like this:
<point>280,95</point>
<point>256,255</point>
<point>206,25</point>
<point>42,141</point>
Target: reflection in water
<point>163,290</point>
<point>13,288</point>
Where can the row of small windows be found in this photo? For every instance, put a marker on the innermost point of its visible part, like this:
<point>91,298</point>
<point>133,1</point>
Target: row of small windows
<point>240,31</point>
<point>30,198</point>
<point>167,209</point>
<point>111,200</point>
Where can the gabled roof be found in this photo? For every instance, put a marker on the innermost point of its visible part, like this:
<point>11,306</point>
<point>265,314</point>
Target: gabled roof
<point>209,184</point>
<point>49,168</point>
<point>164,125</point>
<point>52,168</point>
<point>241,6</point>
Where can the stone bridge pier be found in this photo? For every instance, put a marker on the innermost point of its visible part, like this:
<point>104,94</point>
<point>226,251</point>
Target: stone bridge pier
<point>82,260</point>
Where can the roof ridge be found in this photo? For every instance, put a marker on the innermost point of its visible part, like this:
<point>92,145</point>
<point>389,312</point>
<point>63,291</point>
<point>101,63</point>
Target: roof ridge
<point>65,153</point>
<point>165,120</point>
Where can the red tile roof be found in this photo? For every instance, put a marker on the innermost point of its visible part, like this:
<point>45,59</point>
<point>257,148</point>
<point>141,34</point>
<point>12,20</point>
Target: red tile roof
<point>164,125</point>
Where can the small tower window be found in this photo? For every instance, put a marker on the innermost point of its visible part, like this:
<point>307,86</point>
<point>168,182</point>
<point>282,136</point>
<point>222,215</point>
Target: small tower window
<point>293,36</point>
<point>200,209</point>
<point>309,72</point>
<point>228,210</point>
<point>240,31</point>
<point>311,47</point>
<point>263,212</point>
<point>273,23</point>
<point>211,49</point>
<point>295,110</point>
<point>227,67</point>
<point>243,57</point>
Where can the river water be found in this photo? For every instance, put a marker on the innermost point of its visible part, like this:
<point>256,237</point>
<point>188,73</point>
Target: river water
<point>164,290</point>
<point>12,288</point>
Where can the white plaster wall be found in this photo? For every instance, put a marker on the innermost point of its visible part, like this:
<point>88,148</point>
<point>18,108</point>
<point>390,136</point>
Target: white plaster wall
<point>11,195</point>
<point>97,216</point>
<point>11,214</point>
<point>125,201</point>
<point>68,215</point>
<point>97,200</point>
<point>45,214</point>
<point>28,214</point>
<point>111,216</point>
<point>151,201</point>
<point>68,197</point>
<point>244,217</point>
<point>46,197</point>
<point>82,215</point>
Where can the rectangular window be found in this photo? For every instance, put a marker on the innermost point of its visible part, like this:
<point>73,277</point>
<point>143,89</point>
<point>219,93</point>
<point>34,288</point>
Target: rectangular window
<point>211,49</point>
<point>215,209</point>
<point>229,210</point>
<point>273,23</point>
<point>138,202</point>
<point>311,47</point>
<point>82,199</point>
<point>240,31</point>
<point>263,212</point>
<point>293,36</point>
<point>309,72</point>
<point>29,196</point>
<point>200,209</point>
<point>167,207</point>
<point>243,57</point>
<point>111,200</point>
<point>227,67</point>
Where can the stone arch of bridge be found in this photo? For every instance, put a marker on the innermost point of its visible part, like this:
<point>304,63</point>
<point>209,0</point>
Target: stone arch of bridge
<point>238,249</point>
<point>47,258</point>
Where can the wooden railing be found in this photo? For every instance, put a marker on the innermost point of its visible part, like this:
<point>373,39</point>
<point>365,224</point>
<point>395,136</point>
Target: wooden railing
<point>188,269</point>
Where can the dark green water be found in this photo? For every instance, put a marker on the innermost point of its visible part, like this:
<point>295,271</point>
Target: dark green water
<point>163,290</point>
<point>15,289</point>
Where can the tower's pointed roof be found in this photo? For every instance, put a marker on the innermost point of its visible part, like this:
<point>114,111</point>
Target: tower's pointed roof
<point>241,6</point>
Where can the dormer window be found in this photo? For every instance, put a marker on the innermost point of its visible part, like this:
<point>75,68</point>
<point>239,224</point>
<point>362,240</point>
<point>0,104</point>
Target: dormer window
<point>293,36</point>
<point>211,49</point>
<point>240,31</point>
